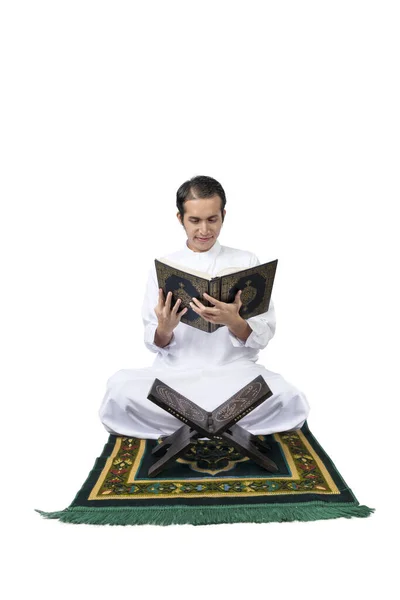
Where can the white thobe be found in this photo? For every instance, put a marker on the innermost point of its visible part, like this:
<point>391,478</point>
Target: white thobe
<point>207,368</point>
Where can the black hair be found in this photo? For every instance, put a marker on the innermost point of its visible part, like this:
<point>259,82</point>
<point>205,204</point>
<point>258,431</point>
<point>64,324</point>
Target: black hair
<point>200,186</point>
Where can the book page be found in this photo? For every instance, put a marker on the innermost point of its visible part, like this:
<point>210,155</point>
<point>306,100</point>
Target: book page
<point>207,276</point>
<point>185,269</point>
<point>228,270</point>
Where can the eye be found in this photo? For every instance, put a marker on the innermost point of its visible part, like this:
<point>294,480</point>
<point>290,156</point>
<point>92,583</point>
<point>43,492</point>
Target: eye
<point>212,220</point>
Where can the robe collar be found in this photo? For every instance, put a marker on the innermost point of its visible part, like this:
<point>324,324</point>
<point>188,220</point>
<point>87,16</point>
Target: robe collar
<point>210,254</point>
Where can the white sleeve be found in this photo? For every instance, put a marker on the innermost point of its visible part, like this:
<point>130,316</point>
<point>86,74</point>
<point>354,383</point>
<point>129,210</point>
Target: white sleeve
<point>149,316</point>
<point>263,326</point>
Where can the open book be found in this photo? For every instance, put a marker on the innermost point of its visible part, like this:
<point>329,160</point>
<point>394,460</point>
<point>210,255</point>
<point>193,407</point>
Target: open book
<point>255,282</point>
<point>219,420</point>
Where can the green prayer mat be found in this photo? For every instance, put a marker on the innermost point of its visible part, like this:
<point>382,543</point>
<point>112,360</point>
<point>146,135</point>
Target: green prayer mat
<point>212,483</point>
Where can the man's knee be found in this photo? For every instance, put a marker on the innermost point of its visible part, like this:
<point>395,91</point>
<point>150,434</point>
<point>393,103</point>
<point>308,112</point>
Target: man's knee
<point>284,389</point>
<point>294,401</point>
<point>122,376</point>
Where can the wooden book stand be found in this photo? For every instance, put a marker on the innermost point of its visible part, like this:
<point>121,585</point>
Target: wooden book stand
<point>221,423</point>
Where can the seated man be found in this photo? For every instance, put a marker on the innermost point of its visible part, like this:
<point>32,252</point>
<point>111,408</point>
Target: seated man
<point>207,368</point>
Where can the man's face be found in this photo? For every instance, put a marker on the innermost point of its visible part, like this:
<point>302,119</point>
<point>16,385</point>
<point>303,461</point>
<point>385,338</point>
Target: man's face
<point>202,221</point>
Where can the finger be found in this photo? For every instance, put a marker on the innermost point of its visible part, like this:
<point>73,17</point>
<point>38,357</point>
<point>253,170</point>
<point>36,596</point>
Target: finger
<point>208,315</point>
<point>204,310</point>
<point>197,303</point>
<point>200,305</point>
<point>197,310</point>
<point>211,299</point>
<point>160,297</point>
<point>176,305</point>
<point>168,300</point>
<point>182,312</point>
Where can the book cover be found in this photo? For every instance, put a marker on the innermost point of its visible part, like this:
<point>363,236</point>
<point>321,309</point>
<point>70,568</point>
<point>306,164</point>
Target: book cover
<point>255,282</point>
<point>240,404</point>
<point>181,407</point>
<point>219,420</point>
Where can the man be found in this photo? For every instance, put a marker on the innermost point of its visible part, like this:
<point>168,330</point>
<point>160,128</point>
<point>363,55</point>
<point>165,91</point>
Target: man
<point>207,368</point>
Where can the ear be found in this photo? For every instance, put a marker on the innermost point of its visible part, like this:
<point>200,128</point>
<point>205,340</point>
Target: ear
<point>178,214</point>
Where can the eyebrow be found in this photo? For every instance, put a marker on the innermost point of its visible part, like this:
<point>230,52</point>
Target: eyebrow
<point>208,217</point>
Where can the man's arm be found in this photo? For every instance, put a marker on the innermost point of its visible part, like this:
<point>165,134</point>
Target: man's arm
<point>162,339</point>
<point>241,329</point>
<point>154,340</point>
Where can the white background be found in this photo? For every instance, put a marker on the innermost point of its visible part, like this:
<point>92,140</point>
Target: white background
<point>107,108</point>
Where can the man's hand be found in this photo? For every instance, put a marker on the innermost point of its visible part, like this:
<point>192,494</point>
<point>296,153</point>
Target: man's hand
<point>168,318</point>
<point>221,313</point>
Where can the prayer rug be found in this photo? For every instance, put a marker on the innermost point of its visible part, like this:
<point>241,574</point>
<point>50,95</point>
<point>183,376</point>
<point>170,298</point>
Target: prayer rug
<point>212,483</point>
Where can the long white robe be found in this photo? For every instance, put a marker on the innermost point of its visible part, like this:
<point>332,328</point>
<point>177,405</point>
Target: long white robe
<point>207,368</point>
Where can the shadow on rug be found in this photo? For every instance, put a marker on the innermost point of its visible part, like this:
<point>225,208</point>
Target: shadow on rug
<point>212,483</point>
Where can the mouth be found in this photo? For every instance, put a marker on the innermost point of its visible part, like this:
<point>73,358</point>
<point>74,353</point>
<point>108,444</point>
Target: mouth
<point>204,239</point>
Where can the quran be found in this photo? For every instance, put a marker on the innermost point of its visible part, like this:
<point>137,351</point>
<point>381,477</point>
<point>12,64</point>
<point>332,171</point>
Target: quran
<point>221,418</point>
<point>255,282</point>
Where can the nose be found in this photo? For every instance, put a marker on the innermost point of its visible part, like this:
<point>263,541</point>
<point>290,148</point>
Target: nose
<point>203,230</point>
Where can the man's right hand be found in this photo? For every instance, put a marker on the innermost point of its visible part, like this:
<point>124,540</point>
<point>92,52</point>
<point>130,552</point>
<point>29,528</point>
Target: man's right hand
<point>168,318</point>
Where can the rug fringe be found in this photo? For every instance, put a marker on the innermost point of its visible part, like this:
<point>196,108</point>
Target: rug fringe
<point>209,515</point>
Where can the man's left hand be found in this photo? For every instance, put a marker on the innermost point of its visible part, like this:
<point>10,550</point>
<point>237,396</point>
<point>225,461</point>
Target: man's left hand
<point>220,313</point>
